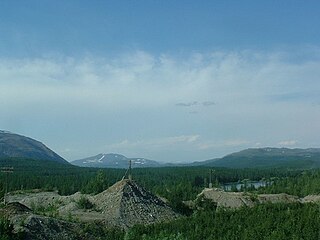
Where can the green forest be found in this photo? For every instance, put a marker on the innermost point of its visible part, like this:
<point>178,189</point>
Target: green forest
<point>178,184</point>
<point>265,221</point>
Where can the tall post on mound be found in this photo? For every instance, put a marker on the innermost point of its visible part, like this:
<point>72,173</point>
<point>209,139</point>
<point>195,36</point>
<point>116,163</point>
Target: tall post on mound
<point>210,179</point>
<point>130,171</point>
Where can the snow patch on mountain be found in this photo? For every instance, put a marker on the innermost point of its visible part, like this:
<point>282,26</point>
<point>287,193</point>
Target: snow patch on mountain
<point>114,160</point>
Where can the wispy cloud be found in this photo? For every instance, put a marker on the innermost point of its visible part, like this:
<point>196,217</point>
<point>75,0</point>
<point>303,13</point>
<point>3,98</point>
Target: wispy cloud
<point>220,144</point>
<point>195,103</point>
<point>140,77</point>
<point>288,143</point>
<point>153,144</point>
<point>189,104</point>
<point>208,103</point>
<point>157,142</point>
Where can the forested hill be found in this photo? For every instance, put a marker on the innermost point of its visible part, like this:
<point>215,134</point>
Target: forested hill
<point>18,146</point>
<point>268,158</point>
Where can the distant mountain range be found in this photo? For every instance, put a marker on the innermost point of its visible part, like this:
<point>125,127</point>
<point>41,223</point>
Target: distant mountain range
<point>17,146</point>
<point>112,160</point>
<point>249,158</point>
<point>267,158</point>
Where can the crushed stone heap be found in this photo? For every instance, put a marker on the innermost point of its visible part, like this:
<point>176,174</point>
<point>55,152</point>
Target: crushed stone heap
<point>241,199</point>
<point>126,203</point>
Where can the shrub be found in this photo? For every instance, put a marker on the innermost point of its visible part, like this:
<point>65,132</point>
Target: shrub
<point>84,203</point>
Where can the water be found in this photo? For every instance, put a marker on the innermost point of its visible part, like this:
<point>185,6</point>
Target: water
<point>248,184</point>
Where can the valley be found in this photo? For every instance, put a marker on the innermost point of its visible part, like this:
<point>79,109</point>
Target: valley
<point>47,199</point>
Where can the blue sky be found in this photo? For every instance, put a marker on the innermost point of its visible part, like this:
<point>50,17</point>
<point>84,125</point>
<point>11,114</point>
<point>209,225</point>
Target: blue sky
<point>36,28</point>
<point>166,80</point>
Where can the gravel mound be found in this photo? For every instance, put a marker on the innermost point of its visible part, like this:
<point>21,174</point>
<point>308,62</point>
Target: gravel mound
<point>226,199</point>
<point>126,204</point>
<point>241,199</point>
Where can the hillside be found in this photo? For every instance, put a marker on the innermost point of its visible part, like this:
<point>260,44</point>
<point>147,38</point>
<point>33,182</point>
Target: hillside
<point>17,146</point>
<point>268,158</point>
<point>112,160</point>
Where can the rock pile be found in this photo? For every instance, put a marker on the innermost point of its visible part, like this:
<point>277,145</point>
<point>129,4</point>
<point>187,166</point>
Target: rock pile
<point>37,227</point>
<point>126,204</point>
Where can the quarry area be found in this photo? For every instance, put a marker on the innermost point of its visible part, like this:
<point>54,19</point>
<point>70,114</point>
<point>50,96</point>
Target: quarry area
<point>47,215</point>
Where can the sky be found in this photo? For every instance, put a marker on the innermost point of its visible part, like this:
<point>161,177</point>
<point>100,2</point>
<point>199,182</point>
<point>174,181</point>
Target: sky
<point>173,81</point>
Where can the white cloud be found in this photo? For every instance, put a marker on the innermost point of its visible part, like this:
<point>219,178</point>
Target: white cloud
<point>155,142</point>
<point>140,78</point>
<point>288,143</point>
<point>133,96</point>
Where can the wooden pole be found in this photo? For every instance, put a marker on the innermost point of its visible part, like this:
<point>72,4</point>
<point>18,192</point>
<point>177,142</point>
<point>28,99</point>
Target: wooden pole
<point>130,171</point>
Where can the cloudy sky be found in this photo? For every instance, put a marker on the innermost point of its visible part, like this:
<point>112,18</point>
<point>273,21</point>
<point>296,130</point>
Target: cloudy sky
<point>173,81</point>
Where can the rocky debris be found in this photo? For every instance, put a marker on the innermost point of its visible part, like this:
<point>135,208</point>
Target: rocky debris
<point>35,227</point>
<point>241,199</point>
<point>40,227</point>
<point>16,208</point>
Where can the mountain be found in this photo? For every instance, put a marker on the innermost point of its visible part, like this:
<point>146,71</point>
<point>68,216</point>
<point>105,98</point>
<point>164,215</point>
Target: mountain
<point>17,146</point>
<point>249,158</point>
<point>112,160</point>
<point>267,157</point>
